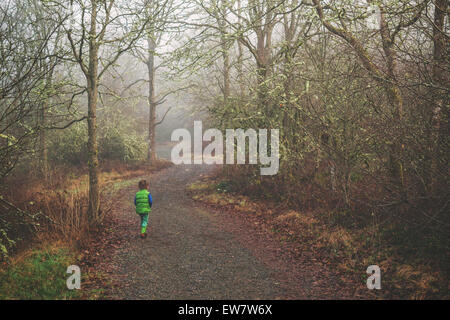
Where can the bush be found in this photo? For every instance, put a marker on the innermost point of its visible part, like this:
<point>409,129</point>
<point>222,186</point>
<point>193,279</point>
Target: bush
<point>125,147</point>
<point>69,146</point>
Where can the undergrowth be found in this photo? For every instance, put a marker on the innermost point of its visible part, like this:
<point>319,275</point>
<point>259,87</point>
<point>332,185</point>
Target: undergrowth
<point>411,268</point>
<point>33,265</point>
<point>39,273</point>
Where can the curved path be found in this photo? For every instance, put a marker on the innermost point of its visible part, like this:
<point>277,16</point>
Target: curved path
<point>193,252</point>
<point>186,255</point>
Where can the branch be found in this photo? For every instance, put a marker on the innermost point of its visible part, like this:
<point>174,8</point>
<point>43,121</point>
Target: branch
<point>165,114</point>
<point>78,58</point>
<point>67,125</point>
<point>350,39</point>
<point>413,20</point>
<point>171,92</point>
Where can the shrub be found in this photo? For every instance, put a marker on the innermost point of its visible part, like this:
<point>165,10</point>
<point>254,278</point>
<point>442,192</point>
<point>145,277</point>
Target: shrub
<point>125,147</point>
<point>69,146</point>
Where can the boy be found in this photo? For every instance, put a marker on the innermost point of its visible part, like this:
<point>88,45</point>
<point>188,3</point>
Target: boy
<point>143,202</point>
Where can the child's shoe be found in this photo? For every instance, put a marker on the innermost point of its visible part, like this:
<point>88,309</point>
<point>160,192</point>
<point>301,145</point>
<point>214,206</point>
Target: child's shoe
<point>143,235</point>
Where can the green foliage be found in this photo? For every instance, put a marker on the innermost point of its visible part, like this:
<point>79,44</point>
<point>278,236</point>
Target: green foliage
<point>69,146</point>
<point>119,145</point>
<point>41,275</point>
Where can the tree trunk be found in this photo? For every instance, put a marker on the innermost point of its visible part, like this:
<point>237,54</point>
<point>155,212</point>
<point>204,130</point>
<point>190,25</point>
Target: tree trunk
<point>263,47</point>
<point>225,56</point>
<point>396,101</point>
<point>42,143</point>
<point>261,71</point>
<point>226,74</point>
<point>92,90</point>
<point>151,155</point>
<point>287,109</point>
<point>240,57</point>
<point>396,148</point>
<point>439,81</point>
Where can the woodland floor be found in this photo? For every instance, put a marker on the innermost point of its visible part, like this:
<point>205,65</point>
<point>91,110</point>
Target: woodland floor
<point>196,252</point>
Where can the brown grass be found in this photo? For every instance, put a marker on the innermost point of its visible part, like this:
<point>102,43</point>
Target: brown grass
<point>351,246</point>
<point>62,201</point>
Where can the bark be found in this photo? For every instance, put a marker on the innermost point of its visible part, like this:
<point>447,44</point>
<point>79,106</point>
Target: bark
<point>440,80</point>
<point>92,90</point>
<point>42,143</point>
<point>290,29</point>
<point>240,57</point>
<point>151,155</point>
<point>226,74</point>
<point>263,49</point>
<point>225,56</point>
<point>395,99</point>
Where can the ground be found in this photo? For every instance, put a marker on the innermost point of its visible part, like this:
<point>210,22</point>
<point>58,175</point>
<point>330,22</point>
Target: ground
<point>195,252</point>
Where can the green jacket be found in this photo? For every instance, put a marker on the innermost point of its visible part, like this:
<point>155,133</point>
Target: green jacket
<point>143,201</point>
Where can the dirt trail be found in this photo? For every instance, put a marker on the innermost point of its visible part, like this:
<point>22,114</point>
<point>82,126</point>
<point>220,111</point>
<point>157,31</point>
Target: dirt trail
<point>196,253</point>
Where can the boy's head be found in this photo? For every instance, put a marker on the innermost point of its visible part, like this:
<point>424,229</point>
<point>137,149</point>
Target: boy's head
<point>143,184</point>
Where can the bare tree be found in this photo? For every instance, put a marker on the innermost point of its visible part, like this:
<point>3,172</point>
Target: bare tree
<point>440,83</point>
<point>161,15</point>
<point>386,75</point>
<point>104,44</point>
<point>27,63</point>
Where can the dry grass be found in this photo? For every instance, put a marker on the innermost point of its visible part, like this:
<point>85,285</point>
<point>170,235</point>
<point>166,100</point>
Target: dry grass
<point>36,269</point>
<point>208,194</point>
<point>293,217</point>
<point>63,202</point>
<point>351,248</point>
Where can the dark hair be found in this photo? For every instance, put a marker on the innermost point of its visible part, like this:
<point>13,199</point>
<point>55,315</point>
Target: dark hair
<point>143,184</point>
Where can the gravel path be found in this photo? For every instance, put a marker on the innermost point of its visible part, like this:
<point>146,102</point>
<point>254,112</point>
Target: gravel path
<point>193,252</point>
<point>187,255</point>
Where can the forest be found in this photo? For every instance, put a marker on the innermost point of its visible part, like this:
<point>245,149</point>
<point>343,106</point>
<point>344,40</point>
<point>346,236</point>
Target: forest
<point>91,91</point>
